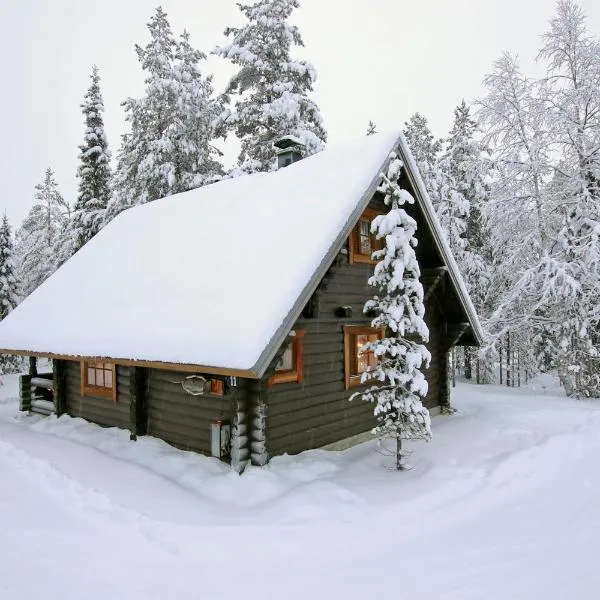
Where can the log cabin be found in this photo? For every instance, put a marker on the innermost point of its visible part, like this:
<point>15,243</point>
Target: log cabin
<point>228,320</point>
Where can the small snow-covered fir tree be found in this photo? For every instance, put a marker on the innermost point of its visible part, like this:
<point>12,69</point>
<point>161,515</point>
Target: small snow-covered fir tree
<point>9,296</point>
<point>399,384</point>
<point>272,88</point>
<point>94,168</point>
<point>40,233</point>
<point>169,146</point>
<point>371,128</point>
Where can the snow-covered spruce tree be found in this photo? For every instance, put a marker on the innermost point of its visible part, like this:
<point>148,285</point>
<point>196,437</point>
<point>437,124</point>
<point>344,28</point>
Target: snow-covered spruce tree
<point>94,168</point>
<point>371,128</point>
<point>468,167</point>
<point>39,234</point>
<point>450,205</point>
<point>398,381</point>
<point>169,146</point>
<point>9,296</point>
<point>422,142</point>
<point>272,89</point>
<point>197,159</point>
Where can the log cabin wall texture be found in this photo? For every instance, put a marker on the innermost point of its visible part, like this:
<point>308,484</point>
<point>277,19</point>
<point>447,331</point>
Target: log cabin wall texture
<point>102,411</point>
<point>318,412</point>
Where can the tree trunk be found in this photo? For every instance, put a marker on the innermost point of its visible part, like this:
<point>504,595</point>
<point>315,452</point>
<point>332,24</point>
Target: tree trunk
<point>500,352</point>
<point>454,367</point>
<point>508,361</point>
<point>399,464</point>
<point>468,363</point>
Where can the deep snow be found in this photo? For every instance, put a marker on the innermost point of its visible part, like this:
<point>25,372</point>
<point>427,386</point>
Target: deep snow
<point>501,504</point>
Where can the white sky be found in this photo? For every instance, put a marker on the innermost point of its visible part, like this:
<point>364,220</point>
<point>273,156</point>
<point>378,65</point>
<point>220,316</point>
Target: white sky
<point>376,59</point>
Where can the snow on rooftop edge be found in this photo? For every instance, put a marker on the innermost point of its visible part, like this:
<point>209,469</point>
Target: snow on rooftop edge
<point>204,277</point>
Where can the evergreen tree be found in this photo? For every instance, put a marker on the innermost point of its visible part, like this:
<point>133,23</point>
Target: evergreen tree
<point>371,128</point>
<point>168,148</point>
<point>8,289</point>
<point>272,88</point>
<point>40,233</point>
<point>422,142</point>
<point>94,168</point>
<point>398,381</point>
<point>198,111</point>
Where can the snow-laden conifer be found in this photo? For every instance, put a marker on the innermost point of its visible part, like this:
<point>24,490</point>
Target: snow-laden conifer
<point>9,292</point>
<point>94,168</point>
<point>40,233</point>
<point>398,382</point>
<point>9,296</point>
<point>271,88</point>
<point>168,148</point>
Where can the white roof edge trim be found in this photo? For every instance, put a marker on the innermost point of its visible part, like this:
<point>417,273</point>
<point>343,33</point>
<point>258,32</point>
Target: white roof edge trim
<point>416,180</point>
<point>267,355</point>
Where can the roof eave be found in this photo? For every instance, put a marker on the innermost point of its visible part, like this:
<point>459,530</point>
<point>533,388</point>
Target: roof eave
<point>127,362</point>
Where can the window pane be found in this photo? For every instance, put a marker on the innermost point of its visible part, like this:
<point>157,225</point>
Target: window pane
<point>287,360</point>
<point>372,360</point>
<point>91,376</point>
<point>108,379</point>
<point>99,377</point>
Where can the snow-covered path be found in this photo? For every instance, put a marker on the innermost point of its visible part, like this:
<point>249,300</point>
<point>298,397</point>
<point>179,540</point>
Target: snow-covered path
<point>502,504</point>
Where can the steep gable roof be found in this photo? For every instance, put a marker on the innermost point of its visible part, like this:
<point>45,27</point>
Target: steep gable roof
<point>217,276</point>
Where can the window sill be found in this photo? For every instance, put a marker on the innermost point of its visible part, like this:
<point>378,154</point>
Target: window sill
<point>97,392</point>
<point>285,377</point>
<point>361,259</point>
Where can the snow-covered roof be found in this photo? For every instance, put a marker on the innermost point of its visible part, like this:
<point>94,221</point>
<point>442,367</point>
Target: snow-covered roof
<point>214,277</point>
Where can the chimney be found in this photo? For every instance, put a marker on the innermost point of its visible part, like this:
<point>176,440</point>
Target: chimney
<point>289,150</point>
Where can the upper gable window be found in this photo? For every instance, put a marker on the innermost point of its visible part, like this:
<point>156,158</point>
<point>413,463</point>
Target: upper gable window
<point>98,379</point>
<point>362,242</point>
<point>290,366</point>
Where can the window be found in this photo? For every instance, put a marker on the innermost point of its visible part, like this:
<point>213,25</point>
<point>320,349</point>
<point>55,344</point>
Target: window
<point>289,368</point>
<point>357,361</point>
<point>98,379</point>
<point>362,242</point>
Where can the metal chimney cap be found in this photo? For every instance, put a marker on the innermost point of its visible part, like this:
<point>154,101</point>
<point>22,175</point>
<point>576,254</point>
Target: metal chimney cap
<point>288,141</point>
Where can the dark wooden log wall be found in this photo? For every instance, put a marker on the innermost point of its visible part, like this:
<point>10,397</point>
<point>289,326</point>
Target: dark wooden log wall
<point>97,410</point>
<point>318,412</point>
<point>179,418</point>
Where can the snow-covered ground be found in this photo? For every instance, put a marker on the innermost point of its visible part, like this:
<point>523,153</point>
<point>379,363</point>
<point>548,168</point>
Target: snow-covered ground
<point>503,503</point>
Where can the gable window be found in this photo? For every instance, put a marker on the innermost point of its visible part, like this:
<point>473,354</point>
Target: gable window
<point>290,366</point>
<point>362,242</point>
<point>98,379</point>
<point>356,360</point>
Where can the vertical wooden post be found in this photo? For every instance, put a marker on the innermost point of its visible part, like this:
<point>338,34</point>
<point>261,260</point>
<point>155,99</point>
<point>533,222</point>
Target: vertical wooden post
<point>59,372</point>
<point>138,417</point>
<point>25,393</point>
<point>33,366</point>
